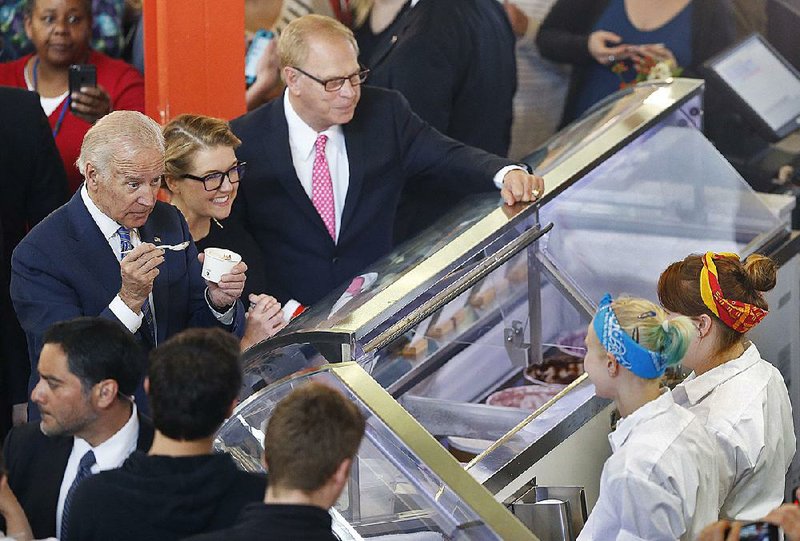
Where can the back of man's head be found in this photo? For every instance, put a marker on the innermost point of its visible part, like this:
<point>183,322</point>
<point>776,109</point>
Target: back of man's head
<point>98,349</point>
<point>311,432</point>
<point>194,377</point>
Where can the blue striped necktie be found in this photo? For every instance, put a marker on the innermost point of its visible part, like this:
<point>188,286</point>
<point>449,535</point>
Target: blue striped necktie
<point>84,471</point>
<point>126,245</point>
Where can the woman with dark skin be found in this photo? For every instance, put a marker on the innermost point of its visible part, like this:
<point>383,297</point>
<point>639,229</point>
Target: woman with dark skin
<point>60,31</point>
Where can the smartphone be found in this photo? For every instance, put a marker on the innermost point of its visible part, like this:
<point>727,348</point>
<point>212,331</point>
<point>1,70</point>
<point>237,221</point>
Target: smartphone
<point>81,75</point>
<point>254,52</point>
<point>759,531</point>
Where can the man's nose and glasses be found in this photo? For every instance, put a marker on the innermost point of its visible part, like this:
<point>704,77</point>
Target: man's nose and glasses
<point>335,84</point>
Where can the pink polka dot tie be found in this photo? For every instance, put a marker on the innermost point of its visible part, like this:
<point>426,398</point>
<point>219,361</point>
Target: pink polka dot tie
<point>322,187</point>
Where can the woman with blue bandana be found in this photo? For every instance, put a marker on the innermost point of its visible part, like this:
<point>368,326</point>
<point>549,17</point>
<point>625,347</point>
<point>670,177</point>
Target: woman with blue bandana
<point>661,482</point>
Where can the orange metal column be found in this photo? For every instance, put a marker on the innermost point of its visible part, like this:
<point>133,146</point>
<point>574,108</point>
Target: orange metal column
<point>194,58</point>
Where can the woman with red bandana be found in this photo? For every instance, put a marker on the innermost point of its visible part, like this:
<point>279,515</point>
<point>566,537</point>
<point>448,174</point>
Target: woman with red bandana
<point>741,398</point>
<point>60,31</point>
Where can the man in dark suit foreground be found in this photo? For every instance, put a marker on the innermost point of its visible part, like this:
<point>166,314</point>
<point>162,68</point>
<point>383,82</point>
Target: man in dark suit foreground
<point>328,161</point>
<point>32,185</point>
<point>88,371</point>
<point>309,446</point>
<point>99,254</point>
<point>180,487</point>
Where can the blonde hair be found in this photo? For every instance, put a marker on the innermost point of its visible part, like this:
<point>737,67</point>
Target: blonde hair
<point>116,137</point>
<point>186,134</point>
<point>293,43</point>
<point>649,325</point>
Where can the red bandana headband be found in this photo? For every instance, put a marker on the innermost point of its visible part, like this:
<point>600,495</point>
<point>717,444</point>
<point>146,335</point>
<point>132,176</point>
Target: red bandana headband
<point>739,316</point>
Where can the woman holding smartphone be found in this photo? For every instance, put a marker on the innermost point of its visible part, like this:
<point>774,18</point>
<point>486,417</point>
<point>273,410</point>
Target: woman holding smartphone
<point>740,397</point>
<point>660,483</point>
<point>60,31</point>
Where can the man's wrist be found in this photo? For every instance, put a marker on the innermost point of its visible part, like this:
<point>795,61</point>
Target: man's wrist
<point>213,304</point>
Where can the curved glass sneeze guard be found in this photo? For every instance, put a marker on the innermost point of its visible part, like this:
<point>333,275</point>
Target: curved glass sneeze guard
<point>397,487</point>
<point>593,124</point>
<point>665,195</point>
<point>336,309</point>
<point>341,326</point>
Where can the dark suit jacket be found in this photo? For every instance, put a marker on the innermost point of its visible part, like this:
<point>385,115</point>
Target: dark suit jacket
<point>36,465</point>
<point>65,268</point>
<point>386,144</point>
<point>454,61</point>
<point>564,33</point>
<point>32,185</point>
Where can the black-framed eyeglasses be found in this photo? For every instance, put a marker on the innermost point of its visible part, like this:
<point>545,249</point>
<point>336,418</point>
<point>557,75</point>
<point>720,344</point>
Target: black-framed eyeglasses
<point>213,181</point>
<point>336,83</point>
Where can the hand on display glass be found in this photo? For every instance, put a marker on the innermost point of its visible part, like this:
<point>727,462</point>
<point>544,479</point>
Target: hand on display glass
<point>521,186</point>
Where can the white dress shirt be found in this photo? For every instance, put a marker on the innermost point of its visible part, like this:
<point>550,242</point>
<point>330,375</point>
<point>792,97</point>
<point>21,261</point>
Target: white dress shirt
<point>109,455</point>
<point>660,483</point>
<point>745,406</point>
<point>132,320</point>
<point>301,143</point>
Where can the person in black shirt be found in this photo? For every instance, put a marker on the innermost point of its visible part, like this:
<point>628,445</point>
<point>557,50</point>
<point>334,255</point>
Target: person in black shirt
<point>309,446</point>
<point>180,487</point>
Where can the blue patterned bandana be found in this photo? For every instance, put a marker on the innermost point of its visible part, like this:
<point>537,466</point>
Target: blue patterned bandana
<point>639,360</point>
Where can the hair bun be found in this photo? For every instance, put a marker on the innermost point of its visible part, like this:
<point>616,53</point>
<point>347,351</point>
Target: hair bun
<point>761,271</point>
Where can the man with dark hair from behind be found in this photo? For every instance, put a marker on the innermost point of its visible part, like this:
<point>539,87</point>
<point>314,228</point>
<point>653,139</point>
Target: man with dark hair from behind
<point>180,487</point>
<point>309,446</point>
<point>88,370</point>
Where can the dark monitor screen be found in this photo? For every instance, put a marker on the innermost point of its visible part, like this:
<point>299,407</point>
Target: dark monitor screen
<point>763,82</point>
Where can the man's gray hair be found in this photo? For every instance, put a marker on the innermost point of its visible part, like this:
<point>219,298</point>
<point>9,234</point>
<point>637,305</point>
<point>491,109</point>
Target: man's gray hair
<point>116,137</point>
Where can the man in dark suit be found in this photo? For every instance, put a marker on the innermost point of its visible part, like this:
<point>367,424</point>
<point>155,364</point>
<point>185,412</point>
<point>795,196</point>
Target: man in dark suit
<point>88,371</point>
<point>454,61</point>
<point>32,184</point>
<point>327,163</point>
<point>98,255</point>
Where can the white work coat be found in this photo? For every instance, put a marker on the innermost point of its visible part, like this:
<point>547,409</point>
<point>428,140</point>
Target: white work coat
<point>661,482</point>
<point>744,405</point>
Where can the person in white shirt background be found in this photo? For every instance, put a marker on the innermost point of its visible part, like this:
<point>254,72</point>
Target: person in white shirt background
<point>740,397</point>
<point>660,483</point>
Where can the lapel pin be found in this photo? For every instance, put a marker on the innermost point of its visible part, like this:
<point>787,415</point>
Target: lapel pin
<point>156,239</point>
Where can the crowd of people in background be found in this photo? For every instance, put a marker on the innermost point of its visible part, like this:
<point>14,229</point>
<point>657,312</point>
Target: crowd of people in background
<point>367,121</point>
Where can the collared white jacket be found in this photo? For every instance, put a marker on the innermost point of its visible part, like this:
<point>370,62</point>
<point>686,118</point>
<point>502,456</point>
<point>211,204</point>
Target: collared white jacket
<point>744,405</point>
<point>661,482</point>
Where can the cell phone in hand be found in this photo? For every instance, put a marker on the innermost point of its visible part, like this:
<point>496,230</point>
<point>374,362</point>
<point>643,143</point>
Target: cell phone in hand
<point>81,75</point>
<point>254,52</point>
<point>759,531</point>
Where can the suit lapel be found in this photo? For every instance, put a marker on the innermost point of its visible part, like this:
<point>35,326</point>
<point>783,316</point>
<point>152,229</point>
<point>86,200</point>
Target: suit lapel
<point>96,255</point>
<point>279,153</point>
<point>355,158</point>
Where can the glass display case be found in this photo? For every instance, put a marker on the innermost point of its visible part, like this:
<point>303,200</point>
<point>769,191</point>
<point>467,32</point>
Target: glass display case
<point>402,485</point>
<point>476,327</point>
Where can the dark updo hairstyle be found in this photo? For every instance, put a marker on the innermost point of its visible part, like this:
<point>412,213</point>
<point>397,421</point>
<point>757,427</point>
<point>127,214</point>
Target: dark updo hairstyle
<point>679,287</point>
